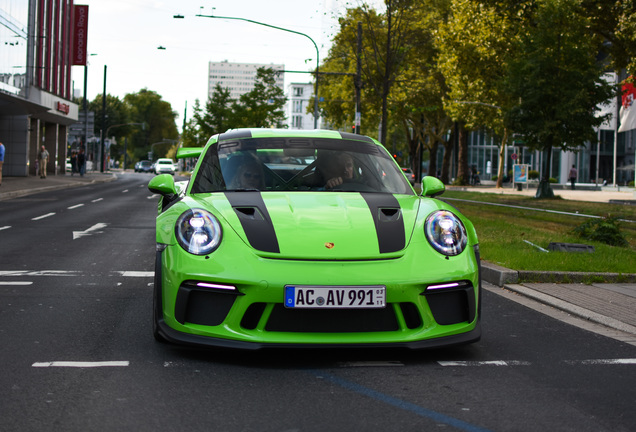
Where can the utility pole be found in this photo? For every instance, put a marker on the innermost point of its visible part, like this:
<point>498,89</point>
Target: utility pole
<point>101,160</point>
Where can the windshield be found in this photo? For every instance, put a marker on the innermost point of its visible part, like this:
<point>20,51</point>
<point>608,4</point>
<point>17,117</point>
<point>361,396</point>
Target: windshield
<point>298,164</point>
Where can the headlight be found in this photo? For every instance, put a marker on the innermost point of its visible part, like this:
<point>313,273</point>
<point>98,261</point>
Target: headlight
<point>198,232</point>
<point>446,233</point>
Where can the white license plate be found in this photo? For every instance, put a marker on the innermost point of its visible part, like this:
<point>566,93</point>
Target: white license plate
<point>344,297</point>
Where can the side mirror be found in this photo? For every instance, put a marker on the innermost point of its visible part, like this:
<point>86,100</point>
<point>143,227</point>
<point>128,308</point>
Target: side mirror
<point>163,185</point>
<point>432,186</point>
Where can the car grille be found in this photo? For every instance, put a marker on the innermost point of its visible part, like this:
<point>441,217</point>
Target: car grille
<point>211,308</point>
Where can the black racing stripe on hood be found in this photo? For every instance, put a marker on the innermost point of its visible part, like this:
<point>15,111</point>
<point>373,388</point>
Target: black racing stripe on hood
<point>255,220</point>
<point>388,220</point>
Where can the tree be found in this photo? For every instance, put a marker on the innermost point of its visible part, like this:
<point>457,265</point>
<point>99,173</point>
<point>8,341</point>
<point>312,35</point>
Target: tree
<point>558,82</point>
<point>420,87</point>
<point>476,46</point>
<point>147,107</point>
<point>337,85</point>
<point>262,106</point>
<point>117,112</point>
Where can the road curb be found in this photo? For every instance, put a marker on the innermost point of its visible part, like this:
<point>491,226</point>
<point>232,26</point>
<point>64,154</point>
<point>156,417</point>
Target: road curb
<point>500,276</point>
<point>570,308</point>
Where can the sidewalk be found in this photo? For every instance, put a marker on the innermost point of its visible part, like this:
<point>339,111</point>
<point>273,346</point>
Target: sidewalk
<point>14,187</point>
<point>612,305</point>
<point>622,195</point>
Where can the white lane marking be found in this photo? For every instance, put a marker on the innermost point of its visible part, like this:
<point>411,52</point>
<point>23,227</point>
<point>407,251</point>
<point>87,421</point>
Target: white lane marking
<point>76,364</point>
<point>97,200</point>
<point>371,363</point>
<point>40,273</point>
<point>75,206</point>
<point>5,227</point>
<point>485,363</point>
<point>89,231</point>
<point>594,362</point>
<point>626,361</point>
<point>151,196</point>
<point>16,283</point>
<point>43,216</point>
<point>124,191</point>
<point>4,273</point>
<point>136,273</point>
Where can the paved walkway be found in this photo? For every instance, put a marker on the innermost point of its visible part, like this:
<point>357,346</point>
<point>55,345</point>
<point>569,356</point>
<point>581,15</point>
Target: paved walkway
<point>13,187</point>
<point>612,306</point>
<point>606,194</point>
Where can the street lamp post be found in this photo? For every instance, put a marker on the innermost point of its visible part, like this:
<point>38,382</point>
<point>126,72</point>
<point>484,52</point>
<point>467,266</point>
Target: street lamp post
<point>287,30</point>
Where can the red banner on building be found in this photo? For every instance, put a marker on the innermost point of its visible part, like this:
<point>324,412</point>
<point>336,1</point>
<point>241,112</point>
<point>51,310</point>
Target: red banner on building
<point>80,34</point>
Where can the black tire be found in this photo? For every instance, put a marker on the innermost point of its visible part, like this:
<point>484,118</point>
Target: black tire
<point>157,307</point>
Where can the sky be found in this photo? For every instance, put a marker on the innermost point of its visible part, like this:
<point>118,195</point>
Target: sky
<point>125,36</point>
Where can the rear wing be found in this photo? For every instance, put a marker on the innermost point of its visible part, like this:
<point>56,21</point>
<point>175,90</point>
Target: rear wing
<point>189,152</point>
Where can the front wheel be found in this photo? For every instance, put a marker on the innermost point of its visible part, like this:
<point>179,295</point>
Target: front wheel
<point>157,306</point>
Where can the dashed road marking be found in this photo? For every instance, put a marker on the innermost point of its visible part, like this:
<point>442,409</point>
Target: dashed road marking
<point>43,216</point>
<point>485,363</point>
<point>75,206</point>
<point>624,361</point>
<point>76,364</point>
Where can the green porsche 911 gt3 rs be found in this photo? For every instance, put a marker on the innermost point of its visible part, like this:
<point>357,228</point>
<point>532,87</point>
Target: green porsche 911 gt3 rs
<point>287,238</point>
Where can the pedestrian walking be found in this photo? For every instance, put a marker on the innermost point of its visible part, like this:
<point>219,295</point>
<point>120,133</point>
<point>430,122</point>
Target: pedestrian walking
<point>43,159</point>
<point>572,176</point>
<point>81,162</point>
<point>73,162</point>
<point>1,160</point>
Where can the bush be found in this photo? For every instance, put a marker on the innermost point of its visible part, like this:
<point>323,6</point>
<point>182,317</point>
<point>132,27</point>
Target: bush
<point>552,180</point>
<point>533,174</point>
<point>605,230</point>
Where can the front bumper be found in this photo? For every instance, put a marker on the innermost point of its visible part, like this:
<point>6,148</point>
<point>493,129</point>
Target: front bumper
<point>254,317</point>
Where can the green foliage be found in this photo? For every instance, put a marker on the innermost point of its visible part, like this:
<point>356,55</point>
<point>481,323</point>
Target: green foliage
<point>533,174</point>
<point>557,79</point>
<point>147,107</point>
<point>261,107</point>
<point>502,231</point>
<point>605,230</point>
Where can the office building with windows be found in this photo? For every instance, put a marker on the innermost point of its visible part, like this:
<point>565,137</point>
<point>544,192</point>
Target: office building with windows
<point>298,100</point>
<point>239,78</point>
<point>40,42</point>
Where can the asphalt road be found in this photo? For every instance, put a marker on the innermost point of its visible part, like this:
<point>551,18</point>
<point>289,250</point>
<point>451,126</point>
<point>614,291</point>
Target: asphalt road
<point>77,352</point>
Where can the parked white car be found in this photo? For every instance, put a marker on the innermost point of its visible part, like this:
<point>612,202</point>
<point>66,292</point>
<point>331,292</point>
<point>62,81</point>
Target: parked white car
<point>165,166</point>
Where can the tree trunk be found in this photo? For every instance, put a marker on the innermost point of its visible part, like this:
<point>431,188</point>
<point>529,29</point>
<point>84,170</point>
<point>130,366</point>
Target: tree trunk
<point>500,169</point>
<point>446,161</point>
<point>545,189</point>
<point>463,176</point>
<point>432,159</point>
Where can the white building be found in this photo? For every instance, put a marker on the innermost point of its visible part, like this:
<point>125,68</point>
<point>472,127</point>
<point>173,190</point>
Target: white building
<point>239,78</point>
<point>298,99</point>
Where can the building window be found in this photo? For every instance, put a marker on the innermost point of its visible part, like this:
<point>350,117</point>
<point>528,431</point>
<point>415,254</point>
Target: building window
<point>297,122</point>
<point>298,106</point>
<point>298,91</point>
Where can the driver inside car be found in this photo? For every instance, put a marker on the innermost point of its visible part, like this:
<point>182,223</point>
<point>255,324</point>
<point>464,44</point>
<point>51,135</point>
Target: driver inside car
<point>336,169</point>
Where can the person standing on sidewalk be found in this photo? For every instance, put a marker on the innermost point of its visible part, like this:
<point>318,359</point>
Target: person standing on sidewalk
<point>43,159</point>
<point>572,176</point>
<point>1,160</point>
<point>81,162</point>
